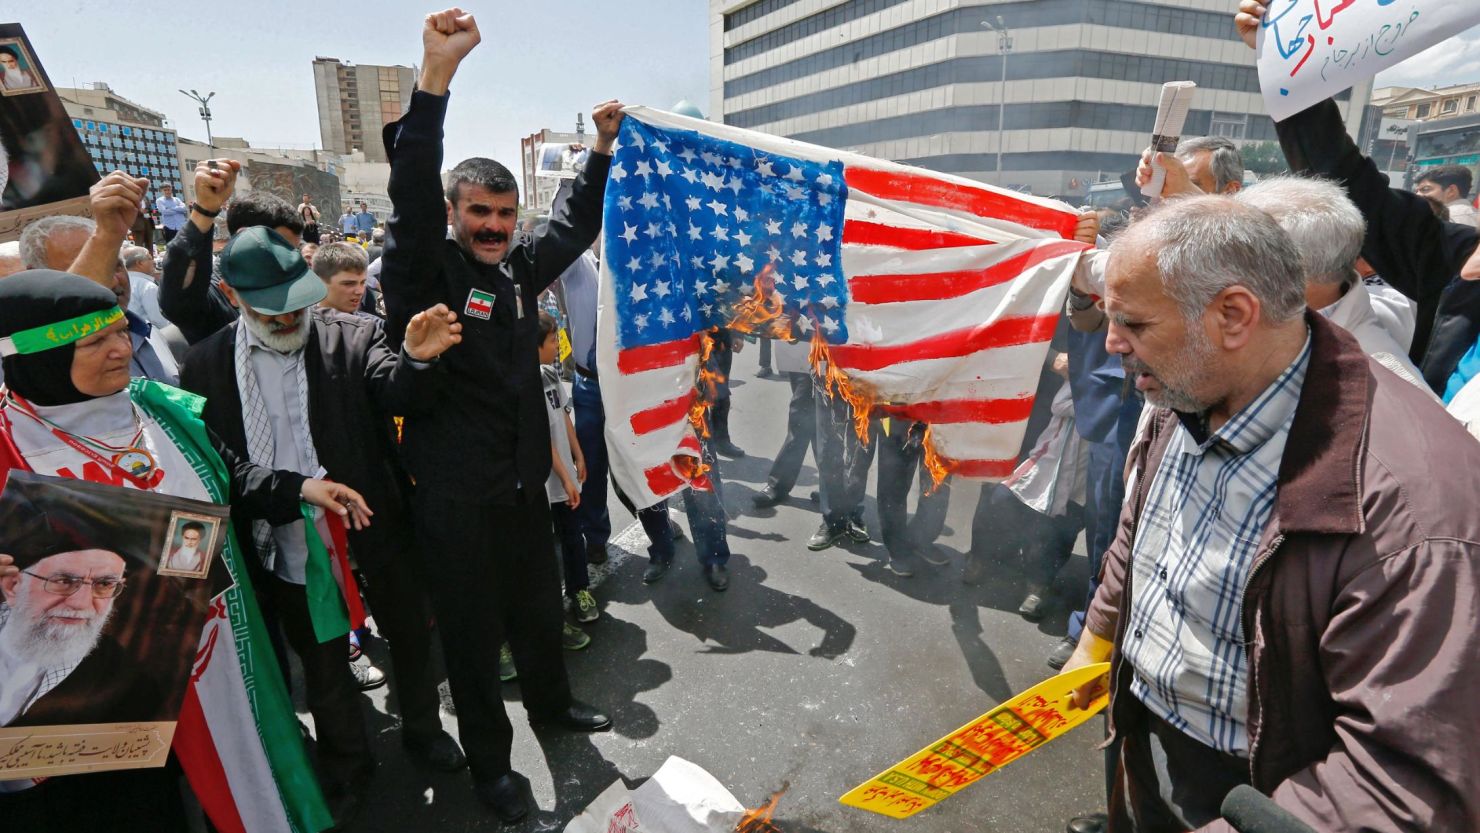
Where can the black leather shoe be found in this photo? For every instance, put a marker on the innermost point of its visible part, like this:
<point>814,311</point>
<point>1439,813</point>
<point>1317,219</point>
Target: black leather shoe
<point>767,497</point>
<point>902,565</point>
<point>727,448</point>
<point>933,555</point>
<point>765,373</point>
<point>717,576</point>
<point>974,569</point>
<point>1034,605</point>
<point>654,571</point>
<point>1061,653</point>
<point>1092,823</point>
<point>505,796</point>
<point>578,717</point>
<point>439,752</point>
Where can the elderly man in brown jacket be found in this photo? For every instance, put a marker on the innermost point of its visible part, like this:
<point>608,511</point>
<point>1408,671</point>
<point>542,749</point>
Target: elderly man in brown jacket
<point>1291,599</point>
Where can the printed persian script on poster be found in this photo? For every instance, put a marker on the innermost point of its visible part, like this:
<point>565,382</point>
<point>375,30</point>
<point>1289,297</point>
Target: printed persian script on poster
<point>99,632</point>
<point>44,167</point>
<point>981,747</point>
<point>1310,50</point>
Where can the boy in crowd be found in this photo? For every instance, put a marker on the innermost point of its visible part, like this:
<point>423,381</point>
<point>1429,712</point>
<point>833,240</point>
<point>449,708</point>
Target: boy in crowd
<point>341,266</point>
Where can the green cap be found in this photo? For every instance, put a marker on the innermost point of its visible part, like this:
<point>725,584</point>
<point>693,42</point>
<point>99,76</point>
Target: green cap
<point>268,273</point>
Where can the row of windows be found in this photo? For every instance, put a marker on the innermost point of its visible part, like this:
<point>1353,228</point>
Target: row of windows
<point>1069,63</point>
<point>810,25</point>
<point>92,140</point>
<point>157,175</point>
<point>1035,116</point>
<point>109,155</point>
<point>122,130</point>
<point>755,11</point>
<point>1052,160</point>
<point>1035,13</point>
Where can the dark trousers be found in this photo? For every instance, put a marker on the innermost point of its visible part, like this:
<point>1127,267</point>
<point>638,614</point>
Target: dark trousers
<point>1004,529</point>
<point>1166,781</point>
<point>592,517</point>
<point>395,588</point>
<point>572,548</point>
<point>706,514</point>
<point>494,581</point>
<point>842,459</point>
<point>765,349</point>
<point>1105,492</point>
<point>901,455</point>
<point>801,427</point>
<point>122,801</point>
<point>342,744</point>
<point>169,233</point>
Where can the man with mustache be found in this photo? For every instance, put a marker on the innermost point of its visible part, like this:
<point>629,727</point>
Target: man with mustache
<point>480,456</point>
<point>1293,580</point>
<point>53,651</point>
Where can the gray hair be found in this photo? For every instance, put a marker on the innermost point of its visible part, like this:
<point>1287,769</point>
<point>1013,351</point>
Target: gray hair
<point>134,255</point>
<point>1227,164</point>
<point>1325,225</point>
<point>33,239</point>
<point>1203,245</point>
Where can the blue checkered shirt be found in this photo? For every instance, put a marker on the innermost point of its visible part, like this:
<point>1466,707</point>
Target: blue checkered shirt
<point>1198,534</point>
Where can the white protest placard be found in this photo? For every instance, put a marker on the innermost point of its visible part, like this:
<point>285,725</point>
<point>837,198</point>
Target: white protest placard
<point>1310,50</point>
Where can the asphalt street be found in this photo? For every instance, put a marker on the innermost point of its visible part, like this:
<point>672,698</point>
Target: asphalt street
<point>815,670</point>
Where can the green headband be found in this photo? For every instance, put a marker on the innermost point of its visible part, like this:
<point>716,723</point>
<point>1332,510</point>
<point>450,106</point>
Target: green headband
<point>60,334</point>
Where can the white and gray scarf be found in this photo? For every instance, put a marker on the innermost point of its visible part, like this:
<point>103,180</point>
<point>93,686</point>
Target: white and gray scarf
<point>259,427</point>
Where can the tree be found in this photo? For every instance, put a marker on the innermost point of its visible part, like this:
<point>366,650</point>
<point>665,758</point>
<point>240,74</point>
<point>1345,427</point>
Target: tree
<point>1265,158</point>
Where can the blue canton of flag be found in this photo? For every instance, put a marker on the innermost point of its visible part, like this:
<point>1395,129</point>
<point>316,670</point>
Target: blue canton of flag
<point>691,220</point>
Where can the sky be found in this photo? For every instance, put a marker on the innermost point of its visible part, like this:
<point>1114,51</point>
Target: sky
<point>534,68</point>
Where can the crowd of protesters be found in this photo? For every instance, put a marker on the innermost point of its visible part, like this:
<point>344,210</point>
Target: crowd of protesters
<point>1243,411</point>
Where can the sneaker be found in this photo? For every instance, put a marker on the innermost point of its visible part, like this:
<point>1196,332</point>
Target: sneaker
<point>585,605</point>
<point>902,565</point>
<point>367,676</point>
<point>573,638</point>
<point>857,531</point>
<point>826,536</point>
<point>507,673</point>
<point>1035,604</point>
<point>765,373</point>
<point>933,555</point>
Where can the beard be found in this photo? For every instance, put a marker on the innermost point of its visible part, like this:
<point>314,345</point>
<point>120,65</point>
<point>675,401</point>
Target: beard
<point>1178,375</point>
<point>269,333</point>
<point>42,638</point>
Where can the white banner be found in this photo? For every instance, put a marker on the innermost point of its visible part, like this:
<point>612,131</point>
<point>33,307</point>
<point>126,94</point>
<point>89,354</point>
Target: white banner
<point>1310,50</point>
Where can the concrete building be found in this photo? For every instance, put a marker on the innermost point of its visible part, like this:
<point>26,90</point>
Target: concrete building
<point>1413,103</point>
<point>537,192</point>
<point>288,173</point>
<point>356,101</point>
<point>122,135</point>
<point>923,81</point>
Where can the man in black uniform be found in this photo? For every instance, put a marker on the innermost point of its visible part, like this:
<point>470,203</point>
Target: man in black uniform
<point>481,455</point>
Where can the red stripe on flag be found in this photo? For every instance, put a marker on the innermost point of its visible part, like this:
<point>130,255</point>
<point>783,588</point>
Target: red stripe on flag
<point>983,468</point>
<point>927,190</point>
<point>202,765</point>
<point>1004,333</point>
<point>950,411</point>
<point>655,356</point>
<point>343,574</point>
<point>664,415</point>
<point>689,443</point>
<point>936,286</point>
<point>864,233</point>
<point>663,480</point>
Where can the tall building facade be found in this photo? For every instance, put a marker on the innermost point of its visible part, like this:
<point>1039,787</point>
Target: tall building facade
<point>538,192</point>
<point>123,135</point>
<point>923,81</point>
<point>356,101</point>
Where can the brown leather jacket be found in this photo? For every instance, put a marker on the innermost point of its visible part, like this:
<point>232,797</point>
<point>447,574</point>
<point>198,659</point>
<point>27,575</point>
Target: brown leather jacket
<point>1362,610</point>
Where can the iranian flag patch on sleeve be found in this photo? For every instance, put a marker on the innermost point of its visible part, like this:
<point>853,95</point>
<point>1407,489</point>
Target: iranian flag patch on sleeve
<point>480,304</point>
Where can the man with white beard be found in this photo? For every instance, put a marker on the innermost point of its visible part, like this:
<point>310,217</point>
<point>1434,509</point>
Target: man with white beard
<point>187,556</point>
<point>52,620</point>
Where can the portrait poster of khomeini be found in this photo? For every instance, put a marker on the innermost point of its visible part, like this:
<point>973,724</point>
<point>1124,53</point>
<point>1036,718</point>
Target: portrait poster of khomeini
<point>90,633</point>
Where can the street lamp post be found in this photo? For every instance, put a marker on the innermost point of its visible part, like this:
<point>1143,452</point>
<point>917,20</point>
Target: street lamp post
<point>1004,47</point>
<point>205,113</point>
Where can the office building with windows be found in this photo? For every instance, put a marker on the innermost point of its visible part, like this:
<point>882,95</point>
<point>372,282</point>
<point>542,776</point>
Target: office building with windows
<point>924,82</point>
<point>122,135</point>
<point>356,101</point>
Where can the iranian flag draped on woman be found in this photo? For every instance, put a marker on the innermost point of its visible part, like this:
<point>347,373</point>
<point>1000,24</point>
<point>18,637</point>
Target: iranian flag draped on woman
<point>69,409</point>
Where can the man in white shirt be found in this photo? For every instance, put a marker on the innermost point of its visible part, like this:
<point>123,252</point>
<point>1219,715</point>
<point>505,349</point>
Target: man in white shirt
<point>143,285</point>
<point>1449,184</point>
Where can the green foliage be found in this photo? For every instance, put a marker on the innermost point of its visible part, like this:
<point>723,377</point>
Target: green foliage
<point>1265,158</point>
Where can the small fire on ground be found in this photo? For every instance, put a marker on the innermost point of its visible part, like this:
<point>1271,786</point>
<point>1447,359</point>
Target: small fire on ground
<point>759,819</point>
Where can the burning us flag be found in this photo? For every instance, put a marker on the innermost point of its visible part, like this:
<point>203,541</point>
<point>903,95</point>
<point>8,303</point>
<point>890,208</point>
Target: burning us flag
<point>927,296</point>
